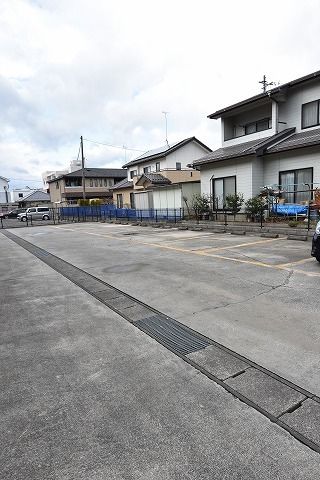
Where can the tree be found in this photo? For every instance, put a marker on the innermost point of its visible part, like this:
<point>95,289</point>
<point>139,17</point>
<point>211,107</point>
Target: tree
<point>254,206</point>
<point>234,203</point>
<point>200,204</point>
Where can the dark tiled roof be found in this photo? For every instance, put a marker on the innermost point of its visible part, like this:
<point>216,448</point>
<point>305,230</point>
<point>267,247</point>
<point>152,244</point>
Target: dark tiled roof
<point>37,196</point>
<point>261,96</point>
<point>95,173</point>
<point>123,184</point>
<point>164,151</point>
<point>240,150</point>
<point>298,140</point>
<point>155,179</point>
<point>285,140</point>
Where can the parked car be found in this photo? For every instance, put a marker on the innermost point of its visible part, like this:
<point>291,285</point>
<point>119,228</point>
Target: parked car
<point>13,213</point>
<point>315,252</point>
<point>34,213</point>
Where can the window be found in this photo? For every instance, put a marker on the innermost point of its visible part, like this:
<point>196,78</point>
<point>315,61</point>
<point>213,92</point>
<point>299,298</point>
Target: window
<point>132,202</point>
<point>95,182</point>
<point>146,169</point>
<point>73,182</point>
<point>133,173</point>
<point>221,188</point>
<point>100,182</point>
<point>294,182</point>
<point>105,182</point>
<point>111,182</point>
<point>258,126</point>
<point>178,166</point>
<point>119,200</point>
<point>91,182</point>
<point>158,167</point>
<point>57,185</point>
<point>310,114</point>
<point>20,195</point>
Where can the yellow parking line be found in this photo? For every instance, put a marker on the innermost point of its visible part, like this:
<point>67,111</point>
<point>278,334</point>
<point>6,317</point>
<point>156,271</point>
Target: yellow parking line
<point>183,239</point>
<point>308,274</point>
<point>205,254</point>
<point>298,262</point>
<point>229,247</point>
<point>284,266</point>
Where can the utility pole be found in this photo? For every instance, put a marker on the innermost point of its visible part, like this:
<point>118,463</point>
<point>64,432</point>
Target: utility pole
<point>165,114</point>
<point>82,168</point>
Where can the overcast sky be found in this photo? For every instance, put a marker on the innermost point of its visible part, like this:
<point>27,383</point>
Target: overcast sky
<point>106,69</point>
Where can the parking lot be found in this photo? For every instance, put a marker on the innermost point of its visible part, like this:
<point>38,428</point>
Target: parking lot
<point>256,296</point>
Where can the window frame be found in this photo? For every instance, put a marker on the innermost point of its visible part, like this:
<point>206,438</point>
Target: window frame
<point>147,169</point>
<point>119,200</point>
<point>132,201</point>
<point>318,114</point>
<point>294,171</point>
<point>269,119</point>
<point>133,173</point>
<point>223,178</point>
<point>180,166</point>
<point>157,166</point>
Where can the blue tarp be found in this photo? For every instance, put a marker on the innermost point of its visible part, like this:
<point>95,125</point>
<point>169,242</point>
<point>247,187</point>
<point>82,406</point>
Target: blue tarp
<point>290,209</point>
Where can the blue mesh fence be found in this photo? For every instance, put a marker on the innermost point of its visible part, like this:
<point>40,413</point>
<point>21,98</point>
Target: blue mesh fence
<point>105,212</point>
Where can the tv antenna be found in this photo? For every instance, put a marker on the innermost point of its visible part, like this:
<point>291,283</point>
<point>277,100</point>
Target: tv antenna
<point>265,84</point>
<point>165,114</point>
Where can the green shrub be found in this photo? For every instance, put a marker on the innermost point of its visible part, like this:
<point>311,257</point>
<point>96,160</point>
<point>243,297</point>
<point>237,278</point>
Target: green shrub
<point>200,204</point>
<point>234,202</point>
<point>254,206</point>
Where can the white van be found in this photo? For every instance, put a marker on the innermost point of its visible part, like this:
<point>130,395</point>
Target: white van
<point>34,213</point>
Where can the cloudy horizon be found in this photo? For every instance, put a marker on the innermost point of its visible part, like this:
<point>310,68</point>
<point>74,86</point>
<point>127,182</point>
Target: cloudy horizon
<point>107,71</point>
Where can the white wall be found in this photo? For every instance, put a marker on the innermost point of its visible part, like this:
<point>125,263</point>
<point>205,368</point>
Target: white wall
<point>290,111</point>
<point>190,189</point>
<point>273,164</point>
<point>185,155</point>
<point>241,168</point>
<point>167,197</point>
<point>3,198</point>
<point>20,191</point>
<point>257,175</point>
<point>143,200</point>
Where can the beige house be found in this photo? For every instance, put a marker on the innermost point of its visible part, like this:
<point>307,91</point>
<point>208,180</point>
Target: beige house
<point>163,170</point>
<point>67,189</point>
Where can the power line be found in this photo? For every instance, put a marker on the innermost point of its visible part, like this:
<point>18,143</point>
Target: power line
<point>113,146</point>
<point>25,180</point>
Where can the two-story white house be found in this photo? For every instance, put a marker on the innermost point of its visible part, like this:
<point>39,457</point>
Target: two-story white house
<point>160,178</point>
<point>271,139</point>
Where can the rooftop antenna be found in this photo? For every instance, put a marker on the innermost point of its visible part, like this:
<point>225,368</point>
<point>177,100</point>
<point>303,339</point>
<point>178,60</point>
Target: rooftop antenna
<point>165,114</point>
<point>265,84</point>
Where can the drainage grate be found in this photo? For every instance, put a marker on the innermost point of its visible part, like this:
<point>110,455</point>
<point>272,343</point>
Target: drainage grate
<point>172,334</point>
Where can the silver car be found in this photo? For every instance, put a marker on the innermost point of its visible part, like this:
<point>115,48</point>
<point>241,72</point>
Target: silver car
<point>34,213</point>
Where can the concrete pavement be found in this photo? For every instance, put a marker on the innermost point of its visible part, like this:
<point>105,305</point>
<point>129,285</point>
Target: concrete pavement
<point>86,395</point>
